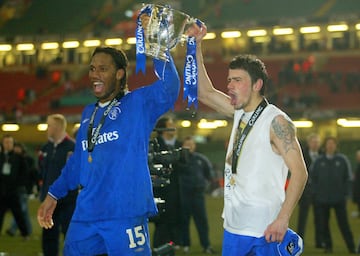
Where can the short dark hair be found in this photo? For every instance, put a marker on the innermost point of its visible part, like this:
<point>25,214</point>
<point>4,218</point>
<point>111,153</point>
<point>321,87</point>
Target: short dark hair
<point>161,124</point>
<point>253,65</point>
<point>21,146</point>
<point>120,60</point>
<point>328,138</point>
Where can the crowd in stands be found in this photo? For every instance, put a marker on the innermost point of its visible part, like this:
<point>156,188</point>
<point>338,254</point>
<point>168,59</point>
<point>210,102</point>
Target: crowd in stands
<point>304,88</point>
<point>296,85</point>
<point>298,73</point>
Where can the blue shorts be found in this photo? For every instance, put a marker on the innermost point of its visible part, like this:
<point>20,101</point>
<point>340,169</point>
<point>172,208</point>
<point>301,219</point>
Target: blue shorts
<point>238,245</point>
<point>112,237</point>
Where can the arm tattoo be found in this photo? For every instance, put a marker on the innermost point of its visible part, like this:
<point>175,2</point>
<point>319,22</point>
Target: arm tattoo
<point>285,131</point>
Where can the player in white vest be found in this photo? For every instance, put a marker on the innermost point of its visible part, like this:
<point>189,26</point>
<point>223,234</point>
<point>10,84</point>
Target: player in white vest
<point>261,150</point>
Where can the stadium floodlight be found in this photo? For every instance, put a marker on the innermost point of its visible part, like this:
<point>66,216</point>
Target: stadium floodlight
<point>70,44</point>
<point>10,127</point>
<point>256,32</point>
<point>310,29</point>
<point>49,45</point>
<point>283,31</point>
<point>303,123</point>
<point>185,123</point>
<point>131,40</point>
<point>42,127</point>
<point>113,41</point>
<point>230,34</point>
<point>92,43</point>
<point>210,36</point>
<point>25,47</point>
<point>206,124</point>
<point>337,28</point>
<point>5,47</point>
<point>348,122</point>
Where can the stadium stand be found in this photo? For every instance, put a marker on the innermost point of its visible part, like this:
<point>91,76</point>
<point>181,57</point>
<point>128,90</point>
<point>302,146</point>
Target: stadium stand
<point>330,81</point>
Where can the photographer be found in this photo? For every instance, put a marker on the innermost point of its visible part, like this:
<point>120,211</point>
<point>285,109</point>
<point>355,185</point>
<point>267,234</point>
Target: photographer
<point>168,222</point>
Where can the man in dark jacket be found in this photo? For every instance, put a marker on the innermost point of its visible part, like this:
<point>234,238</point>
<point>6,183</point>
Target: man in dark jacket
<point>195,175</point>
<point>31,180</point>
<point>168,223</point>
<point>13,175</point>
<point>311,152</point>
<point>331,180</point>
<point>53,157</point>
<point>356,184</point>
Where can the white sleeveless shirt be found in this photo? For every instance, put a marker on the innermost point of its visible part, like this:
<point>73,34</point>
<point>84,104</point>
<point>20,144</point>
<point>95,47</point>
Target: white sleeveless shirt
<point>254,195</point>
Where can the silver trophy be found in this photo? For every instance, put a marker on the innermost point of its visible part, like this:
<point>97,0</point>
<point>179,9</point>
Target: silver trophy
<point>164,29</point>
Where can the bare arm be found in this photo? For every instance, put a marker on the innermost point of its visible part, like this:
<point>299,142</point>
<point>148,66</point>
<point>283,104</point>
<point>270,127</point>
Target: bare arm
<point>207,93</point>
<point>284,141</point>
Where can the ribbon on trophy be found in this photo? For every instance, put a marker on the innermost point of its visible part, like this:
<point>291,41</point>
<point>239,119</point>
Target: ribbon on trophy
<point>140,41</point>
<point>160,35</point>
<point>191,74</point>
<point>191,71</point>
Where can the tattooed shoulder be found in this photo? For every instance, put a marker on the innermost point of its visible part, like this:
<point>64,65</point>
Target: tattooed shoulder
<point>284,130</point>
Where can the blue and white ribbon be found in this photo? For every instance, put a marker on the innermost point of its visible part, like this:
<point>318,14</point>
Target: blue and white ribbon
<point>191,74</point>
<point>140,41</point>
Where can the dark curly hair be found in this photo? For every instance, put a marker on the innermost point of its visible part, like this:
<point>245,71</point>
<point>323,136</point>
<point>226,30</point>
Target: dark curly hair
<point>254,66</point>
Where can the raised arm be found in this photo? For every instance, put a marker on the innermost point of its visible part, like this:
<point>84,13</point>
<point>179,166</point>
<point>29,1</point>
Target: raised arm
<point>207,93</point>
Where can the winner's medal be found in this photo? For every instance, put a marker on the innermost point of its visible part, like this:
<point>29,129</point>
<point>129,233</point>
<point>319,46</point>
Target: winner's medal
<point>90,158</point>
<point>232,180</point>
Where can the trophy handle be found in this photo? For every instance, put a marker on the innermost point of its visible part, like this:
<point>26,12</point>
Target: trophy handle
<point>161,28</point>
<point>191,21</point>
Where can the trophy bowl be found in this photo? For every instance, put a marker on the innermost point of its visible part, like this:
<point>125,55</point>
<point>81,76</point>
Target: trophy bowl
<point>164,29</point>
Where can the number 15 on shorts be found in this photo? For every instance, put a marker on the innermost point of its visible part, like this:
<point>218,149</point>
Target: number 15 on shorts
<point>137,236</point>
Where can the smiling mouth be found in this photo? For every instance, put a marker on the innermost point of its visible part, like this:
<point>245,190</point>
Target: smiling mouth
<point>98,86</point>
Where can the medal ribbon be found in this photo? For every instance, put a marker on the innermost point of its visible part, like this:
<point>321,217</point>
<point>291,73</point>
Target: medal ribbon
<point>92,136</point>
<point>239,141</point>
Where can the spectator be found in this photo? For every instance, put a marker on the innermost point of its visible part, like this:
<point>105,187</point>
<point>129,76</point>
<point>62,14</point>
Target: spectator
<point>12,184</point>
<point>53,156</point>
<point>311,151</point>
<point>33,173</point>
<point>195,176</point>
<point>21,95</point>
<point>331,178</point>
<point>356,183</point>
<point>30,181</point>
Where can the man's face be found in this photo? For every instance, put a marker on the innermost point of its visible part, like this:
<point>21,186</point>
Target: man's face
<point>189,144</point>
<point>330,146</point>
<point>102,75</point>
<point>18,150</point>
<point>52,128</point>
<point>170,134</point>
<point>8,144</point>
<point>314,144</point>
<point>239,88</point>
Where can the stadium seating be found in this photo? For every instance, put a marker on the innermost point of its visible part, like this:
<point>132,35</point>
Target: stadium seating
<point>84,16</point>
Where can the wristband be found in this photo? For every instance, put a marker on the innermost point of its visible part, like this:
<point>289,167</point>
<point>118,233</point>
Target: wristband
<point>52,196</point>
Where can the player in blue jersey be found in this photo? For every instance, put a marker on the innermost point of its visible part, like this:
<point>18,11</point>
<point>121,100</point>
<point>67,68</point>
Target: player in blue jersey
<point>110,160</point>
